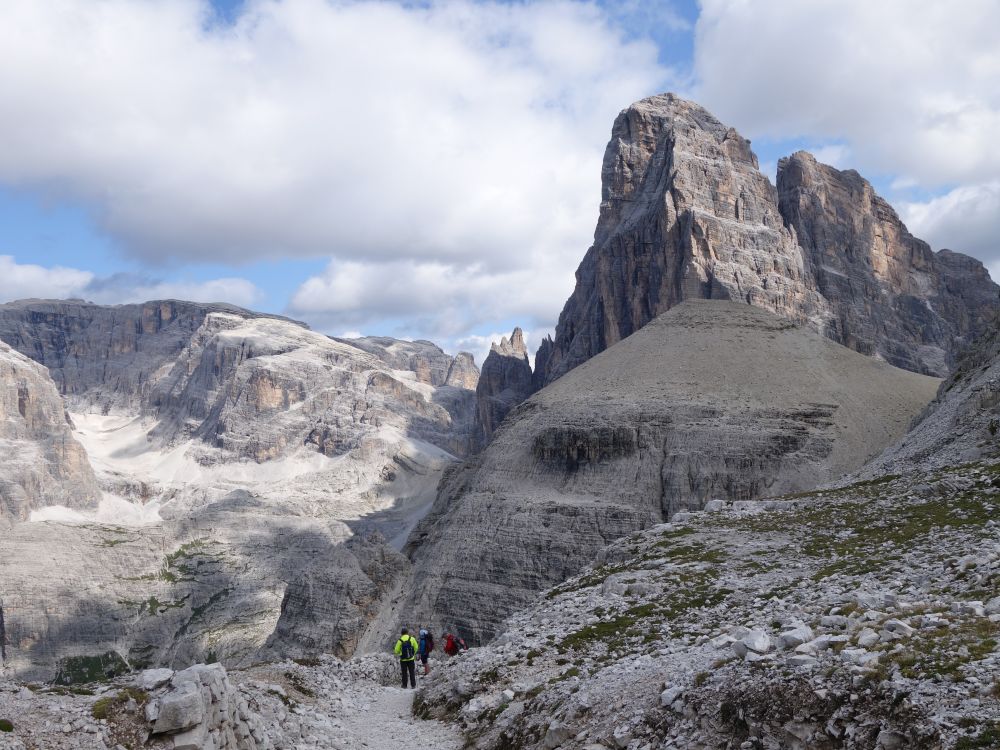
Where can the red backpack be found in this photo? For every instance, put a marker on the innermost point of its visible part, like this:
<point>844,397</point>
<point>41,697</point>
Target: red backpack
<point>450,647</point>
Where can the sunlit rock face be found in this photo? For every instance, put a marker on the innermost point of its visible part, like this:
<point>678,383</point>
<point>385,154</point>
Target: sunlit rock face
<point>41,463</point>
<point>234,453</point>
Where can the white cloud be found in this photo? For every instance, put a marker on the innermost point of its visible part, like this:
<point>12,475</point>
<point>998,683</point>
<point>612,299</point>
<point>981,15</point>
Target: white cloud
<point>459,132</point>
<point>911,88</point>
<point>440,300</point>
<point>26,280</point>
<point>966,219</point>
<point>21,281</point>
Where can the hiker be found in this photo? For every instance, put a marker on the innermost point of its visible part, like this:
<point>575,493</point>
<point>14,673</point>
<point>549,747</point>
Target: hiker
<point>406,650</point>
<point>453,644</point>
<point>425,648</point>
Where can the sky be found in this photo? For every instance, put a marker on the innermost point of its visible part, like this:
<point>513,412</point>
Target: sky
<point>432,169</point>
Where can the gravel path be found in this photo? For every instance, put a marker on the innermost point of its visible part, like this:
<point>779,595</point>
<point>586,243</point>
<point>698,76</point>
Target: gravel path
<point>380,718</point>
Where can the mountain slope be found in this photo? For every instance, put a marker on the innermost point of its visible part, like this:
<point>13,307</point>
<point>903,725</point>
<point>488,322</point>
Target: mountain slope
<point>240,450</point>
<point>42,463</point>
<point>712,400</point>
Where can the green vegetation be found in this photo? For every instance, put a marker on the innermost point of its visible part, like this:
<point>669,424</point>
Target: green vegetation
<point>988,737</point>
<point>6,726</point>
<point>942,652</point>
<point>104,707</point>
<point>78,669</point>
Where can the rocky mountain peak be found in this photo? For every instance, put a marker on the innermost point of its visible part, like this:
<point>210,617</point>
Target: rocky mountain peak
<point>512,347</point>
<point>504,382</point>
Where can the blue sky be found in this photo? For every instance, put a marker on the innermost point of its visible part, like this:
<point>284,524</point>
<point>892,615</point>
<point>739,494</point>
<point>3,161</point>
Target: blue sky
<point>432,169</point>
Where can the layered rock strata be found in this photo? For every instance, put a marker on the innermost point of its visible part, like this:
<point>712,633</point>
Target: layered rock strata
<point>712,400</point>
<point>685,214</point>
<point>892,297</point>
<point>42,464</point>
<point>235,459</point>
<point>961,424</point>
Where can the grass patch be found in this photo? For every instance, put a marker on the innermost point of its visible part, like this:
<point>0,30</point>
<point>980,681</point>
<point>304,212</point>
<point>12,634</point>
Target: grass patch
<point>6,726</point>
<point>79,669</point>
<point>105,707</point>
<point>988,737</point>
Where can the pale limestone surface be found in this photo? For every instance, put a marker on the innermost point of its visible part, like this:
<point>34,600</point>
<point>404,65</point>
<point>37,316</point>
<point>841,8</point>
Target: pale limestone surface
<point>233,463</point>
<point>41,463</point>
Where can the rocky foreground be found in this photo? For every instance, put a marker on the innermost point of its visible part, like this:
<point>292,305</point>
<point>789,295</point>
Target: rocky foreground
<point>322,704</point>
<point>859,617</point>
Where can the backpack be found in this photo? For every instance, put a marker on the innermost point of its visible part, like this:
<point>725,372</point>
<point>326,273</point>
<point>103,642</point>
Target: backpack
<point>449,645</point>
<point>430,642</point>
<point>406,649</point>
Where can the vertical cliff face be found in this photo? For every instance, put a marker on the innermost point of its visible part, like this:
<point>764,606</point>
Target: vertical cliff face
<point>685,214</point>
<point>42,464</point>
<point>891,296</point>
<point>505,381</point>
<point>103,358</point>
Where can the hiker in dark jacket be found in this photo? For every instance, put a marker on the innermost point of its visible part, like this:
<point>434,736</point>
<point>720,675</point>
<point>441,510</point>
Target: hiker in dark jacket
<point>425,648</point>
<point>406,650</point>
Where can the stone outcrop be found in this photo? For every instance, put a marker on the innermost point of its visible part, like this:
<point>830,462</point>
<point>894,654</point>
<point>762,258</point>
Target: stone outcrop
<point>42,464</point>
<point>686,214</point>
<point>891,295</point>
<point>711,400</point>
<point>200,709</point>
<point>504,382</point>
<point>424,358</point>
<point>105,358</point>
<point>961,425</point>
<point>328,610</point>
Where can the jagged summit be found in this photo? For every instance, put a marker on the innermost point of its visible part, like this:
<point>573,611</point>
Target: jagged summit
<point>505,381</point>
<point>687,214</point>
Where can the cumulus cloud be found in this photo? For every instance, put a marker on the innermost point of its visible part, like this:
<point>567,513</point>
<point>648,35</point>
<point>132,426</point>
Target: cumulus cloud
<point>461,132</point>
<point>27,280</point>
<point>966,219</point>
<point>909,87</point>
<point>439,300</point>
<point>21,281</point>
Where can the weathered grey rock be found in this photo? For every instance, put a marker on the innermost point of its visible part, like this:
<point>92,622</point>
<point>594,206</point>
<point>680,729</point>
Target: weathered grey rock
<point>891,295</point>
<point>424,358</point>
<point>711,400</point>
<point>328,610</point>
<point>251,449</point>
<point>42,464</point>
<point>961,424</point>
<point>505,381</point>
<point>685,214</point>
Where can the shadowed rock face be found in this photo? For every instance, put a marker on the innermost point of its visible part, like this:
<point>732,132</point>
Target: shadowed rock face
<point>105,358</point>
<point>962,423</point>
<point>891,296</point>
<point>42,464</point>
<point>327,610</point>
<point>686,214</point>
<point>710,400</point>
<point>505,381</point>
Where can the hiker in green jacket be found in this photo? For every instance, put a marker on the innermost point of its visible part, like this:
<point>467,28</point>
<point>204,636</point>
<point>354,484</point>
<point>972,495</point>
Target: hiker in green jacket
<point>406,650</point>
